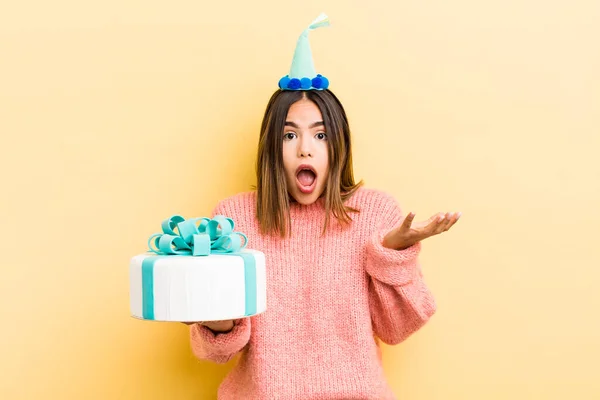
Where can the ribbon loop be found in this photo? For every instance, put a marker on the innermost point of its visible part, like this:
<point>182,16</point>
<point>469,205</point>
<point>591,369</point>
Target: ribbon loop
<point>169,224</point>
<point>197,236</point>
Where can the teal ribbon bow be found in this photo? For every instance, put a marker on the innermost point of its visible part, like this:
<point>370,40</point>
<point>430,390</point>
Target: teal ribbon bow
<point>197,236</point>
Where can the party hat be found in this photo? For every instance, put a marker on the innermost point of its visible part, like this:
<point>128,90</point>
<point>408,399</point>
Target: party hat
<point>303,75</point>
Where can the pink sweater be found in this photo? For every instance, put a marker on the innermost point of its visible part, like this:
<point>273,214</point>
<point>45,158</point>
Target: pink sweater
<point>327,299</point>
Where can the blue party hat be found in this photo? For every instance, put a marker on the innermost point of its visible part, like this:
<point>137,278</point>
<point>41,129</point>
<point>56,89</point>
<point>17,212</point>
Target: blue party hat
<point>303,75</point>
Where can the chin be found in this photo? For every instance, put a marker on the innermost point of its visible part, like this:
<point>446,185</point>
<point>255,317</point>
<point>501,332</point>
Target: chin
<point>307,198</point>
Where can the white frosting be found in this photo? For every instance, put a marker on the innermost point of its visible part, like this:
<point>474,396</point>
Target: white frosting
<point>202,288</point>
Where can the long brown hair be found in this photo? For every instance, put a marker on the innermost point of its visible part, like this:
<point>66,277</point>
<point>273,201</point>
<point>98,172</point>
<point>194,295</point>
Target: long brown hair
<point>273,200</point>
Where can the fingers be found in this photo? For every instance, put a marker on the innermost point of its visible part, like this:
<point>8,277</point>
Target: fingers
<point>443,224</point>
<point>447,222</point>
<point>454,220</point>
<point>406,224</point>
<point>435,222</point>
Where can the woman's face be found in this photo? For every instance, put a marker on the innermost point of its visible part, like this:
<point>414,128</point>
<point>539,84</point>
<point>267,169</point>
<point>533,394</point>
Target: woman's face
<point>305,152</point>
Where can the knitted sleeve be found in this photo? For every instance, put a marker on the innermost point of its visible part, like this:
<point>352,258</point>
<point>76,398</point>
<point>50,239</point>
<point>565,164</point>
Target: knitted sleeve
<point>400,302</point>
<point>220,347</point>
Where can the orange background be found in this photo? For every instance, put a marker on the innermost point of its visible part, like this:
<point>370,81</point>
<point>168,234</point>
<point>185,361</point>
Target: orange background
<point>117,114</point>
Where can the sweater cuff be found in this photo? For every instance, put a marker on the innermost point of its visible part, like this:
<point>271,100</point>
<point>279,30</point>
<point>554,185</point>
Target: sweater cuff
<point>390,266</point>
<point>222,343</point>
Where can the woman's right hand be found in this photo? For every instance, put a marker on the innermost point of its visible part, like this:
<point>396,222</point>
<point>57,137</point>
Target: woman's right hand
<point>216,326</point>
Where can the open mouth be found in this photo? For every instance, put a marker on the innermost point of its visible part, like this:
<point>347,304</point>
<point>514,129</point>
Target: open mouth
<point>306,178</point>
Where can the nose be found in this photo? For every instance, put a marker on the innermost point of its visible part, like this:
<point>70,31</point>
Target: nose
<point>305,147</point>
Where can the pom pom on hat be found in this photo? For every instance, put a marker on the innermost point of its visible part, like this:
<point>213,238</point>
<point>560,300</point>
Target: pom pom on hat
<point>294,84</point>
<point>320,82</point>
<point>305,83</point>
<point>283,82</point>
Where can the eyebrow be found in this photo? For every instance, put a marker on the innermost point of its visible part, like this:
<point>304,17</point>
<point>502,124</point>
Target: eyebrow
<point>313,125</point>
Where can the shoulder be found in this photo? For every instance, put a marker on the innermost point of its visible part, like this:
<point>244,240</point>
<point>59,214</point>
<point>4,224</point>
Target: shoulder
<point>240,207</point>
<point>376,208</point>
<point>240,203</point>
<point>372,200</point>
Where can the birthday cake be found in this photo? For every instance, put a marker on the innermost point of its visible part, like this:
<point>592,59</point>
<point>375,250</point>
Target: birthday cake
<point>198,269</point>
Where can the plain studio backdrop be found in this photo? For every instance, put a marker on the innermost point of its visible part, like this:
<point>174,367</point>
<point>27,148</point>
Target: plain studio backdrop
<point>115,115</point>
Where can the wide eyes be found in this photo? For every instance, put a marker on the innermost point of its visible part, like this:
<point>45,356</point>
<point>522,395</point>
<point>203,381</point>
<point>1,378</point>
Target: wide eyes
<point>292,135</point>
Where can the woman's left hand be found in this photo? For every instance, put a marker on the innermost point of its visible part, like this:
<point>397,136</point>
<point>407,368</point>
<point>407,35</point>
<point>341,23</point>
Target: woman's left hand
<point>409,233</point>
